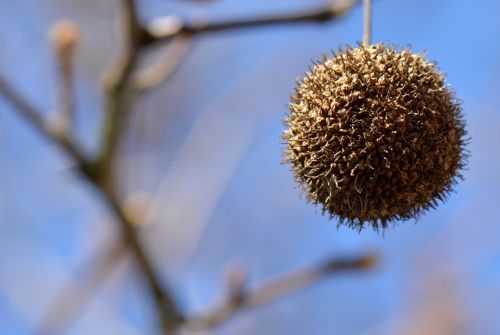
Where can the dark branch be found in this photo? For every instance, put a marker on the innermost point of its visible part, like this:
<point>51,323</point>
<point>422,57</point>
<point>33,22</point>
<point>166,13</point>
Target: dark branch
<point>24,107</point>
<point>131,18</point>
<point>118,94</point>
<point>119,103</point>
<point>319,15</point>
<point>169,315</point>
<point>35,118</point>
<point>279,288</point>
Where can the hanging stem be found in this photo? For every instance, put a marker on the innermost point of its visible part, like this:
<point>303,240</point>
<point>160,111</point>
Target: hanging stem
<point>367,32</point>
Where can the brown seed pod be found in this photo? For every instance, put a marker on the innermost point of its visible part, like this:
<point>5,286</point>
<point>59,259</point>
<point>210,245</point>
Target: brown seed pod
<point>375,135</point>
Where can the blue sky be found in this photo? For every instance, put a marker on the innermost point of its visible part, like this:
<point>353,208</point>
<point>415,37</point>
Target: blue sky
<point>213,144</point>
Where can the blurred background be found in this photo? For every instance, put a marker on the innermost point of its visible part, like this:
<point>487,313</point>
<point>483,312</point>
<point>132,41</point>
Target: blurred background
<point>205,148</point>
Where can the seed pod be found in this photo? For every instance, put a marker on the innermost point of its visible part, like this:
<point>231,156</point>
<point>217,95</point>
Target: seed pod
<point>375,135</point>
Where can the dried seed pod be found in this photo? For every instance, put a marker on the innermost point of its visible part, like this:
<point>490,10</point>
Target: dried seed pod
<point>375,135</point>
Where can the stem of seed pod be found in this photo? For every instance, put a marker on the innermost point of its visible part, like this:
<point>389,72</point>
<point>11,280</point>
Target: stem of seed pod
<point>367,32</point>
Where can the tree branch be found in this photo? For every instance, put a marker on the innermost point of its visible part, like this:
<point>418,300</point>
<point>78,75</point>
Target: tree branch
<point>119,101</point>
<point>119,96</point>
<point>78,292</point>
<point>132,22</point>
<point>323,14</point>
<point>137,38</point>
<point>64,35</point>
<point>279,288</point>
<point>35,118</point>
<point>167,308</point>
<point>157,73</point>
<point>117,105</point>
<point>170,316</point>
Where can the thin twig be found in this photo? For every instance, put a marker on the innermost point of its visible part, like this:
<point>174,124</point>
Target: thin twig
<point>78,293</point>
<point>35,118</point>
<point>64,35</point>
<point>169,314</point>
<point>322,14</point>
<point>66,96</point>
<point>161,70</point>
<point>279,288</point>
<point>367,30</point>
<point>119,97</point>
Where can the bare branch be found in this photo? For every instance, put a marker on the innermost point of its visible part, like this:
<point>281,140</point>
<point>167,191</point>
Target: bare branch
<point>323,14</point>
<point>279,288</point>
<point>119,101</point>
<point>160,71</point>
<point>118,91</point>
<point>64,35</point>
<point>134,31</point>
<point>74,297</point>
<point>35,118</point>
<point>165,304</point>
<point>118,104</point>
<point>26,110</point>
<point>169,314</point>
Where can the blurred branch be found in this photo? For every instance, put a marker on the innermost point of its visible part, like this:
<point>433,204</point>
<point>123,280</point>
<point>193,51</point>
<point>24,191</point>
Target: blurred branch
<point>64,35</point>
<point>119,94</point>
<point>78,292</point>
<point>166,28</point>
<point>169,315</point>
<point>133,29</point>
<point>161,70</point>
<point>166,307</point>
<point>119,101</point>
<point>73,300</point>
<point>117,106</point>
<point>36,119</point>
<point>243,298</point>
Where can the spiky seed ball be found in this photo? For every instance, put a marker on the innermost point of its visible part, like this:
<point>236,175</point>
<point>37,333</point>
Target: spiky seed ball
<point>374,135</point>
